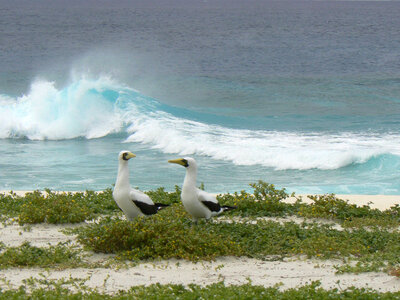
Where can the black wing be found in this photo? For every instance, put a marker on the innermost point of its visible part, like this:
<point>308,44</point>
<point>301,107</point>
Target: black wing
<point>213,206</point>
<point>147,209</point>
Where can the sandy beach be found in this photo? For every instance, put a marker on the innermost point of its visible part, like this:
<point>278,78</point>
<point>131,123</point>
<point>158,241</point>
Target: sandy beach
<point>228,269</point>
<point>291,272</point>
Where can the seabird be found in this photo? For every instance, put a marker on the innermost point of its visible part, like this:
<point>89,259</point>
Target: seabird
<point>132,202</point>
<point>198,203</point>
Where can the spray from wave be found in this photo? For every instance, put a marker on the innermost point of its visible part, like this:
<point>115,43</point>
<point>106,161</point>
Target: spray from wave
<point>96,108</point>
<point>83,109</point>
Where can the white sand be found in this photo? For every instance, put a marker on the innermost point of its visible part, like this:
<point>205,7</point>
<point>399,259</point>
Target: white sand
<point>291,273</point>
<point>230,270</point>
<point>37,235</point>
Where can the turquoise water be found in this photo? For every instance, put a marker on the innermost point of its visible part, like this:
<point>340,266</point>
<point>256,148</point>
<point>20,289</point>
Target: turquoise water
<point>304,95</point>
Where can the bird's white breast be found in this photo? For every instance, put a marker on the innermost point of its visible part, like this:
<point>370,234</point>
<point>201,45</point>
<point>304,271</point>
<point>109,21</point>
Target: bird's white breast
<point>122,197</point>
<point>193,206</point>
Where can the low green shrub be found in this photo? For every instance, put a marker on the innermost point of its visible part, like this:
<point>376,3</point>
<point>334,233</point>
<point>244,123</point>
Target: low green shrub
<point>57,207</point>
<point>26,255</point>
<point>171,233</point>
<point>168,234</point>
<point>52,208</point>
<point>162,196</point>
<point>266,200</point>
<point>351,215</point>
<point>329,206</point>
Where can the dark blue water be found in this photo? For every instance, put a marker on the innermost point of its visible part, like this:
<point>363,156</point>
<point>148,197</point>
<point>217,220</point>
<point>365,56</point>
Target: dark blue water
<point>302,94</point>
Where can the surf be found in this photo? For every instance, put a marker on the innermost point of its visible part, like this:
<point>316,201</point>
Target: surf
<point>82,109</point>
<point>98,108</point>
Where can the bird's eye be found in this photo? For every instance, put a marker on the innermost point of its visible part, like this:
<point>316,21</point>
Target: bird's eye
<point>124,155</point>
<point>186,164</point>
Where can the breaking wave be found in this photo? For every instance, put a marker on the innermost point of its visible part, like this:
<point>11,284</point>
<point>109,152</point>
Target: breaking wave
<point>97,108</point>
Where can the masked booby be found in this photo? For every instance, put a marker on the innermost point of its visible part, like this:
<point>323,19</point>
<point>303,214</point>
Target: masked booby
<point>132,202</point>
<point>198,203</point>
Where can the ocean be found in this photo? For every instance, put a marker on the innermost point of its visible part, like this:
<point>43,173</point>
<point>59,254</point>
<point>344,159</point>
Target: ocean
<point>301,94</point>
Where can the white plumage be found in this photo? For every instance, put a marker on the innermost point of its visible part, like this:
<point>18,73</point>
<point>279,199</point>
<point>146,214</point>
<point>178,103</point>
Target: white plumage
<point>132,202</point>
<point>198,203</point>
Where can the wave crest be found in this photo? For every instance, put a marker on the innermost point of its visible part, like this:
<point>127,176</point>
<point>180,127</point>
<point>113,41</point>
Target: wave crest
<point>278,150</point>
<point>97,108</point>
<point>83,109</point>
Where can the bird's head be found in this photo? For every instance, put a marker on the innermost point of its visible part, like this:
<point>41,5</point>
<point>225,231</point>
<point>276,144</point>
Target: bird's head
<point>125,155</point>
<point>187,162</point>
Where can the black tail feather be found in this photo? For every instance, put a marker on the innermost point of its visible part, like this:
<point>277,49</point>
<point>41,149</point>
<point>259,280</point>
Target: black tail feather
<point>161,205</point>
<point>227,207</point>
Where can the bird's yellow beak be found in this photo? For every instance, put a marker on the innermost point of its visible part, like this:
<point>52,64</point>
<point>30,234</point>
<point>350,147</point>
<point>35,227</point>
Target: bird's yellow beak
<point>129,155</point>
<point>179,161</point>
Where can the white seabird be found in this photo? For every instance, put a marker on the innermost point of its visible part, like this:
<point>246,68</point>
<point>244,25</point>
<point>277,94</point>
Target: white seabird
<point>132,202</point>
<point>198,203</point>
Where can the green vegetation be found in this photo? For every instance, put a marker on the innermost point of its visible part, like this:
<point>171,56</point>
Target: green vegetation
<point>171,234</point>
<point>350,215</point>
<point>368,241</point>
<point>26,255</point>
<point>57,208</point>
<point>161,196</point>
<point>265,201</point>
<point>312,291</point>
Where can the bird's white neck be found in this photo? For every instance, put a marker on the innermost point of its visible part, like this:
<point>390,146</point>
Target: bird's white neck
<point>123,175</point>
<point>190,179</point>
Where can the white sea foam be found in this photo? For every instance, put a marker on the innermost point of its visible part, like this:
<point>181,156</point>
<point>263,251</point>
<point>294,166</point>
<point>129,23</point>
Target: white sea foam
<point>48,113</point>
<point>96,108</point>
<point>279,150</point>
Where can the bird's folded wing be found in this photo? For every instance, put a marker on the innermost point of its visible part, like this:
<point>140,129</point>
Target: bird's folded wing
<point>209,200</point>
<point>140,196</point>
<point>212,205</point>
<point>143,202</point>
<point>147,209</point>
